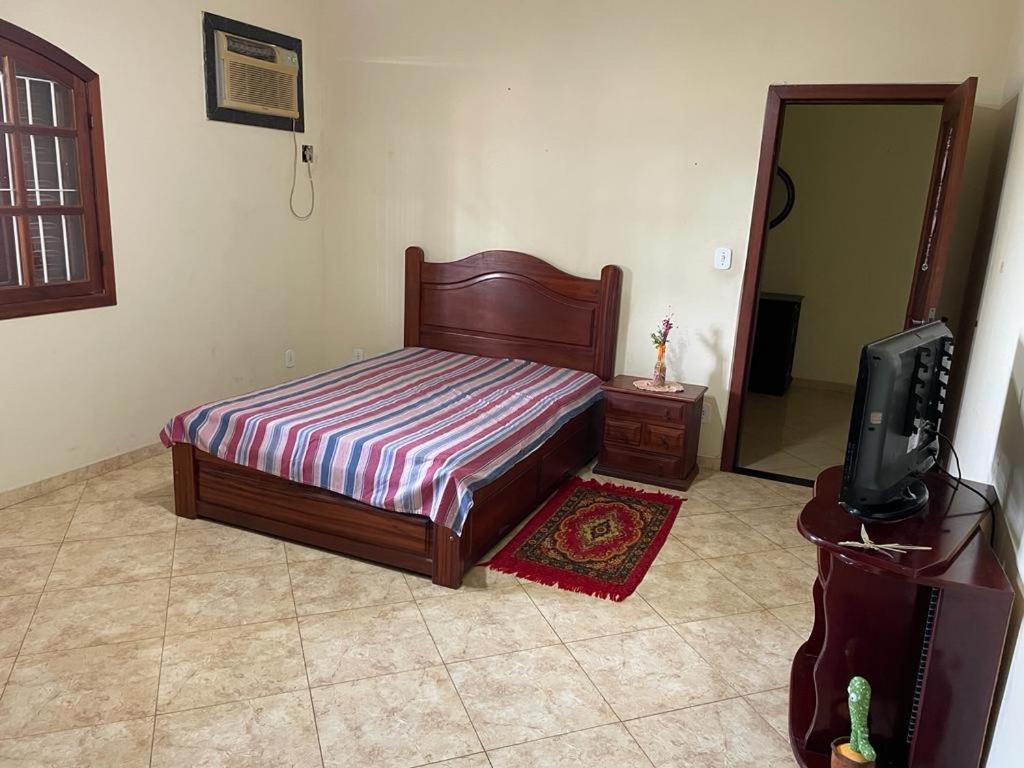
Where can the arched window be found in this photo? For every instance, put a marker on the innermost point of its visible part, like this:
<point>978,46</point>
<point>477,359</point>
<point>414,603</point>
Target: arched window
<point>54,217</point>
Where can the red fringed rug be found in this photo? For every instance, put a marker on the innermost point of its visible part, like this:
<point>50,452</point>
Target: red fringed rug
<point>591,537</point>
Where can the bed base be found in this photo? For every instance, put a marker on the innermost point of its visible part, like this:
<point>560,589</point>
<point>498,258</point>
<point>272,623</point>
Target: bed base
<point>214,489</point>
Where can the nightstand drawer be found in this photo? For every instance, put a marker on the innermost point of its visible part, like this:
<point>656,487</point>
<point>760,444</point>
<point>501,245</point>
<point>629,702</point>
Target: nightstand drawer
<point>649,464</point>
<point>624,432</point>
<point>652,408</point>
<point>663,439</point>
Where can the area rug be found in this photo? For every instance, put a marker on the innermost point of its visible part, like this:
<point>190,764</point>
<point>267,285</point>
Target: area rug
<point>591,537</point>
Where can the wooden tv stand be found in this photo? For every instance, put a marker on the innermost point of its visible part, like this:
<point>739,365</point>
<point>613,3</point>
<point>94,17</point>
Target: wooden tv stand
<point>926,629</point>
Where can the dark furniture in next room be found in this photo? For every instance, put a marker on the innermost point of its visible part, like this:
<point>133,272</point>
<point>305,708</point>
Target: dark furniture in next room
<point>771,366</point>
<point>926,629</point>
<point>650,437</point>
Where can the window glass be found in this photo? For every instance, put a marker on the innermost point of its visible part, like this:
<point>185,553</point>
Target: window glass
<point>42,100</point>
<point>58,249</point>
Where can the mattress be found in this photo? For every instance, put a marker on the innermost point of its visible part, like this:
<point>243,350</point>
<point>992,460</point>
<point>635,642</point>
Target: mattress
<point>413,431</point>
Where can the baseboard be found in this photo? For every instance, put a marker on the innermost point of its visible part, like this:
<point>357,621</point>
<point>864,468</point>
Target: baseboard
<point>823,386</point>
<point>55,483</point>
<point>709,462</point>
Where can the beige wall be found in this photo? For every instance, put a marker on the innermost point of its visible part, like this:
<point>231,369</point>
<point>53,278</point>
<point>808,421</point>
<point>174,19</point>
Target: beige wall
<point>990,431</point>
<point>861,175</point>
<point>214,277</point>
<point>590,133</point>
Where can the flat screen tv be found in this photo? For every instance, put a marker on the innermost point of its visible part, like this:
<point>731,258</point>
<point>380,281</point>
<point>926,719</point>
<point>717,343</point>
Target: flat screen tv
<point>894,428</point>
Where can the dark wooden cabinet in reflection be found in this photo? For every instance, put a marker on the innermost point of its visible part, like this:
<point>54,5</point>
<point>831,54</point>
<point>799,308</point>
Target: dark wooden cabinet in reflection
<point>926,629</point>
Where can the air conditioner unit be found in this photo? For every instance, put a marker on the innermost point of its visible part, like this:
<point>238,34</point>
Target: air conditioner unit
<point>257,77</point>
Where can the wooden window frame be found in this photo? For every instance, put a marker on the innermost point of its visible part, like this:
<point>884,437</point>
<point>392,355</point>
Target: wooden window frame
<point>97,289</point>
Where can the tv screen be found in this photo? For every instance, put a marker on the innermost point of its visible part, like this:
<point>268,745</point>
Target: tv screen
<point>894,427</point>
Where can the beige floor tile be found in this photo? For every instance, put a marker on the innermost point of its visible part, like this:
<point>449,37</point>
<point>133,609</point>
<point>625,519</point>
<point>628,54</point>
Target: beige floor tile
<point>808,553</point>
<point>732,492</point>
<point>772,578</point>
<point>25,526</point>
<point>654,670</point>
<point>576,616</point>
<point>338,583</point>
<point>528,695</point>
<point>727,733</point>
<point>270,732</point>
<point>122,517</point>
<point>695,504</point>
<point>754,651</point>
<point>674,551</point>
<point>124,745</point>
<point>69,494</point>
<point>299,553</point>
<point>799,618</point>
<point>221,665</point>
<point>479,579</point>
<point>609,746</point>
<point>794,494</point>
<point>112,561</point>
<point>142,480</point>
<point>205,547</point>
<point>365,642</point>
<point>5,671</point>
<point>470,761</point>
<point>475,624</point>
<point>405,719</point>
<point>15,614</point>
<point>775,523</point>
<point>23,570</point>
<point>86,686</point>
<point>773,706</point>
<point>229,598</point>
<point>719,535</point>
<point>690,591</point>
<point>75,618</point>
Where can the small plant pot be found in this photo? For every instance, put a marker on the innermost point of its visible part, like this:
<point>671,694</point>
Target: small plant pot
<point>840,760</point>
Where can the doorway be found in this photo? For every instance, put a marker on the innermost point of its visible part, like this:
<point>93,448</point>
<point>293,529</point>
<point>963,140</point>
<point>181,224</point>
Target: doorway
<point>853,213</point>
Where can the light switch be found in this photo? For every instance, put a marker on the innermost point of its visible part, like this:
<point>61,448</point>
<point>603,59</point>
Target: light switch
<point>723,258</point>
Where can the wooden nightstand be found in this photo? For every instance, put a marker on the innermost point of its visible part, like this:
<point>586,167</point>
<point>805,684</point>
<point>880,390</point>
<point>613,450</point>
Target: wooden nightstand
<point>650,437</point>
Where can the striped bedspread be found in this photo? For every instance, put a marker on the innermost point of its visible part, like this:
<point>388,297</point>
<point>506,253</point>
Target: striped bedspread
<point>412,431</point>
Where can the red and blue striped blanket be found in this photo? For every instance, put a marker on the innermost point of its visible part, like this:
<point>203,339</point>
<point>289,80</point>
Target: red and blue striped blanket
<point>413,431</point>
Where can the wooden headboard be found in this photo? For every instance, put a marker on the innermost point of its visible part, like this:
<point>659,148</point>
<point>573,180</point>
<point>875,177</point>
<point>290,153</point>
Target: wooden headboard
<point>510,304</point>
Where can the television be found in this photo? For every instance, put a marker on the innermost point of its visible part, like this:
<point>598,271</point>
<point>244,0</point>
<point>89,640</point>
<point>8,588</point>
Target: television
<point>894,427</point>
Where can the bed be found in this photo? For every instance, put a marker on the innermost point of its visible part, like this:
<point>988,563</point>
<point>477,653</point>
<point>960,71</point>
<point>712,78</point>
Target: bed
<point>492,305</point>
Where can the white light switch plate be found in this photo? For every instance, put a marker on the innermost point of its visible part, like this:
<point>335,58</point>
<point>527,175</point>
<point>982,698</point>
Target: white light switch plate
<point>723,258</point>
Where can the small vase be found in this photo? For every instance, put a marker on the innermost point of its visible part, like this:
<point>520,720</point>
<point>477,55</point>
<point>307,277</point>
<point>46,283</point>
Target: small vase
<point>839,760</point>
<point>659,367</point>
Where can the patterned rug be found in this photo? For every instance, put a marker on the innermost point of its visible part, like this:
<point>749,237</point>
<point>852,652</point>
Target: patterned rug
<point>591,537</point>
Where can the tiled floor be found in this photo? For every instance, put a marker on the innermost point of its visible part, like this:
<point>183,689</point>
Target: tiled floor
<point>129,637</point>
<point>798,434</point>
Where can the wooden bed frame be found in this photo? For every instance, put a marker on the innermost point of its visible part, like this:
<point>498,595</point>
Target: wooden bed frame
<point>495,304</point>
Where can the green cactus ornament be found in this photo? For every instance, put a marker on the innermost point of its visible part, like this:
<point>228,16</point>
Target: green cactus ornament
<point>859,691</point>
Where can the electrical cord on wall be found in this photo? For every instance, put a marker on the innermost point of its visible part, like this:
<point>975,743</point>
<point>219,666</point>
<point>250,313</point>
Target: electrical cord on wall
<point>295,171</point>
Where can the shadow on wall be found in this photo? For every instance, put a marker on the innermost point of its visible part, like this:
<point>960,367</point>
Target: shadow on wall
<point>1008,474</point>
<point>712,342</point>
<point>1000,123</point>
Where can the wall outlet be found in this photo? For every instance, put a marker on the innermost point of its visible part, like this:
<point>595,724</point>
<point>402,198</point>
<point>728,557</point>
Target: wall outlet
<point>723,258</point>
<point>358,354</point>
<point>289,358</point>
<point>705,413</point>
<point>307,153</point>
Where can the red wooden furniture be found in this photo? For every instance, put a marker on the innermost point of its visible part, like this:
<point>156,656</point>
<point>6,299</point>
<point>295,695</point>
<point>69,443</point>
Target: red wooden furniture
<point>650,437</point>
<point>496,304</point>
<point>926,629</point>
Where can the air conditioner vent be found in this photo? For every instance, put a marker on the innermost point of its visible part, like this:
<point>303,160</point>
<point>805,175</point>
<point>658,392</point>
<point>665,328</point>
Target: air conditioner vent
<point>257,77</point>
<point>260,88</point>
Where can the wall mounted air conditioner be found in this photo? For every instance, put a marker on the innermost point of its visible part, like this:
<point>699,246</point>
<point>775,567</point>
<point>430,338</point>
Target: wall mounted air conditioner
<point>252,75</point>
<point>257,77</point>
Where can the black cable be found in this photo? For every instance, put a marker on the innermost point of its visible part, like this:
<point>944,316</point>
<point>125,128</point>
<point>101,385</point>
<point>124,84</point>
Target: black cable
<point>961,484</point>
